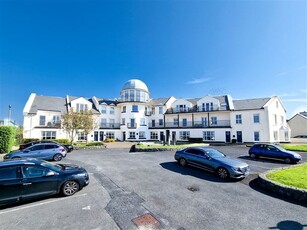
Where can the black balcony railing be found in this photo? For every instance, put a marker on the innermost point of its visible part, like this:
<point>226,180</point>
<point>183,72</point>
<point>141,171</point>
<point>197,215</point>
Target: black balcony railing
<point>109,125</point>
<point>194,109</point>
<point>190,124</point>
<point>131,125</point>
<point>54,124</point>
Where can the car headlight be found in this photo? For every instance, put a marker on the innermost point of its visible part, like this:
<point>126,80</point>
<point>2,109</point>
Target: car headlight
<point>236,169</point>
<point>82,175</point>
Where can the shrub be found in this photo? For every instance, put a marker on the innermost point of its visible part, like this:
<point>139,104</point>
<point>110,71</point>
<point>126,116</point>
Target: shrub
<point>95,144</point>
<point>62,141</point>
<point>195,140</point>
<point>27,140</point>
<point>109,140</point>
<point>7,138</point>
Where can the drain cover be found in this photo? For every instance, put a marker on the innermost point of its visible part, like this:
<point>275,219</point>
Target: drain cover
<point>146,221</point>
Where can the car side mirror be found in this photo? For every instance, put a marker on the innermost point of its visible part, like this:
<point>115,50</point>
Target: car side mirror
<point>50,173</point>
<point>26,151</point>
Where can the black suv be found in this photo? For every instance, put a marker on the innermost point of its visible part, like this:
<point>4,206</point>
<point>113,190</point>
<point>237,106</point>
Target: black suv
<point>68,148</point>
<point>31,178</point>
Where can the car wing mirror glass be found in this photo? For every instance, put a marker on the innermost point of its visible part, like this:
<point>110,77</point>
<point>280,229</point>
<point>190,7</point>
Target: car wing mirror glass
<point>50,173</point>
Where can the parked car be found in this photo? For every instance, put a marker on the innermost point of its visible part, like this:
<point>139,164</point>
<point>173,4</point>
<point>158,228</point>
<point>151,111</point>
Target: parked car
<point>212,160</point>
<point>68,147</point>
<point>274,151</point>
<point>46,151</point>
<point>31,178</point>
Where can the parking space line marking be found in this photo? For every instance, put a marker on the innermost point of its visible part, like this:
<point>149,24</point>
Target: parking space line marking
<point>46,202</point>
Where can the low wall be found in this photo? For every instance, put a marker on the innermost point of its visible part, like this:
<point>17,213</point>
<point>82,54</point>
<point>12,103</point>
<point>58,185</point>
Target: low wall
<point>283,190</point>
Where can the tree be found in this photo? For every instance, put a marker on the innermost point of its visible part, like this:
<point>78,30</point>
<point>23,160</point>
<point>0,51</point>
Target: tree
<point>74,122</point>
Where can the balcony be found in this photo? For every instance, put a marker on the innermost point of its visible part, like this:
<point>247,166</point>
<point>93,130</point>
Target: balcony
<point>190,124</point>
<point>131,125</point>
<point>109,126</point>
<point>51,124</point>
<point>195,109</point>
<point>147,113</point>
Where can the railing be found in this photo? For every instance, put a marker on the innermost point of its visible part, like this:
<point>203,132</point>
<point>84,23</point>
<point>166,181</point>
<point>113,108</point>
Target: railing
<point>53,124</point>
<point>148,113</point>
<point>131,125</point>
<point>190,124</point>
<point>195,109</point>
<point>109,125</point>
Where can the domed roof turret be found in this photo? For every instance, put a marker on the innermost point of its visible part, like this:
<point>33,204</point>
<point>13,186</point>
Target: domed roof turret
<point>135,84</point>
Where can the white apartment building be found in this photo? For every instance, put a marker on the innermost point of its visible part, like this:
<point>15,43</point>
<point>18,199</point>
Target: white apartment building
<point>134,116</point>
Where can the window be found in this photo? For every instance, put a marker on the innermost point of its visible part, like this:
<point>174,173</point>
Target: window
<point>48,135</point>
<point>132,135</point>
<point>123,121</point>
<point>153,123</point>
<point>81,136</point>
<point>153,110</point>
<point>275,134</point>
<point>204,121</point>
<point>207,106</point>
<point>135,108</point>
<point>277,104</point>
<point>111,110</point>
<point>8,173</point>
<point>124,109</point>
<point>208,135</point>
<point>110,135</point>
<point>238,119</point>
<point>112,123</point>
<point>256,136</point>
<point>103,109</point>
<point>184,122</point>
<point>160,122</point>
<point>282,121</point>
<point>132,123</point>
<point>142,135</point>
<point>81,107</point>
<point>160,110</point>
<point>143,97</point>
<point>184,135</point>
<point>34,171</point>
<point>138,96</point>
<point>50,146</point>
<point>154,135</point>
<point>103,123</point>
<point>142,121</point>
<point>275,119</point>
<point>56,120</point>
<point>42,120</point>
<point>213,120</point>
<point>181,108</point>
<point>256,118</point>
<point>176,121</point>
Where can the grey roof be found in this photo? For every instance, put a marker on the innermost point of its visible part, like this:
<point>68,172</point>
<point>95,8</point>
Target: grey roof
<point>48,103</point>
<point>107,101</point>
<point>248,104</point>
<point>303,113</point>
<point>159,101</point>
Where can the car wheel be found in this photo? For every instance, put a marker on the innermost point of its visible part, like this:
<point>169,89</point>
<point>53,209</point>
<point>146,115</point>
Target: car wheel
<point>69,188</point>
<point>288,160</point>
<point>57,157</point>
<point>182,162</point>
<point>253,155</point>
<point>222,173</point>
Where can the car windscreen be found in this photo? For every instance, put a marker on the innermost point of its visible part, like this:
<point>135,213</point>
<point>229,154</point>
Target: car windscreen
<point>52,166</point>
<point>214,153</point>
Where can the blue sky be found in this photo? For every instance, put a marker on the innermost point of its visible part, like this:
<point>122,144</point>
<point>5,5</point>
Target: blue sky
<point>186,49</point>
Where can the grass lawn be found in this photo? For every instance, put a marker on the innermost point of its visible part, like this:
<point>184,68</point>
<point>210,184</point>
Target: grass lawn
<point>294,176</point>
<point>302,148</point>
<point>158,146</point>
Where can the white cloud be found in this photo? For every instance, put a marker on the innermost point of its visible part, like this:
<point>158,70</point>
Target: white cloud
<point>303,90</point>
<point>198,81</point>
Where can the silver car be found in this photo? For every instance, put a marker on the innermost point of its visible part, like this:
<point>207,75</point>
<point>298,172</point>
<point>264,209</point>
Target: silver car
<point>46,151</point>
<point>212,160</point>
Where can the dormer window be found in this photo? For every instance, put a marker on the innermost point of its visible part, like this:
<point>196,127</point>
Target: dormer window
<point>81,107</point>
<point>207,106</point>
<point>181,108</point>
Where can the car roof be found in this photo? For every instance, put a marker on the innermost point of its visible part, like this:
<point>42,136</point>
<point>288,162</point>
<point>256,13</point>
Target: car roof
<point>199,148</point>
<point>26,161</point>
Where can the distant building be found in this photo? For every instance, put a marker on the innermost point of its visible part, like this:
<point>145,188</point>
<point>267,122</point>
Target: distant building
<point>137,117</point>
<point>8,122</point>
<point>298,124</point>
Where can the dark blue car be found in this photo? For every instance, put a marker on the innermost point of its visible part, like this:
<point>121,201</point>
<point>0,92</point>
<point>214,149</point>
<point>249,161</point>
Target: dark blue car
<point>212,160</point>
<point>274,151</point>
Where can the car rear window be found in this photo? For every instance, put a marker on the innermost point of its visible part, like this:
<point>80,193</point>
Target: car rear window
<point>8,173</point>
<point>50,146</point>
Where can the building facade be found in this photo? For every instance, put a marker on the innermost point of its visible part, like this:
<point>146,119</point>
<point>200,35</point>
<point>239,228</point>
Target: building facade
<point>134,116</point>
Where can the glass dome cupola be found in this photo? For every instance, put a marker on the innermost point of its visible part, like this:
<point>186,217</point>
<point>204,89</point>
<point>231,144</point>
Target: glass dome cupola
<point>134,90</point>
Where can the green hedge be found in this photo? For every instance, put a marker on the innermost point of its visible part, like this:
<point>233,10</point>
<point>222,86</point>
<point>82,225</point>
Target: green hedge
<point>95,144</point>
<point>62,141</point>
<point>27,140</point>
<point>7,138</point>
<point>195,140</point>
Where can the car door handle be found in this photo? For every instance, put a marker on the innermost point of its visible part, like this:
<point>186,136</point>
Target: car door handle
<point>26,183</point>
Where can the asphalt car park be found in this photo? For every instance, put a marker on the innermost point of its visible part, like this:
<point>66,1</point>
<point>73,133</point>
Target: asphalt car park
<point>125,186</point>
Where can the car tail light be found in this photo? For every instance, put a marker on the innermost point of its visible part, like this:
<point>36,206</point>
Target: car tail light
<point>62,149</point>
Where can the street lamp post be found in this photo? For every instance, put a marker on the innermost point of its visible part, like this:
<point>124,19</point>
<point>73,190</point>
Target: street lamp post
<point>9,119</point>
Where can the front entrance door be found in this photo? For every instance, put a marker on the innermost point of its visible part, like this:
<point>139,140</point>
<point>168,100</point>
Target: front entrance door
<point>161,136</point>
<point>124,136</point>
<point>227,133</point>
<point>96,136</point>
<point>239,136</point>
<point>101,136</point>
